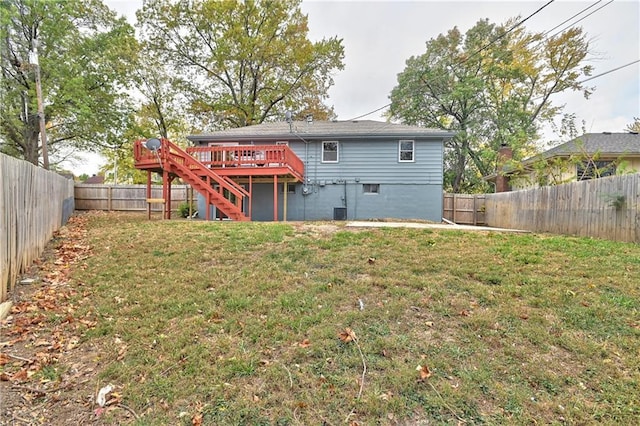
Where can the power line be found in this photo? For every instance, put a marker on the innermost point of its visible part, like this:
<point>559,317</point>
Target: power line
<point>369,113</point>
<point>579,13</point>
<point>581,19</point>
<point>505,34</point>
<point>476,52</point>
<point>609,71</point>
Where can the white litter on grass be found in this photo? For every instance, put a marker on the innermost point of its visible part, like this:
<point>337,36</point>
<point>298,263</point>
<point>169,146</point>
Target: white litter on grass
<point>101,399</point>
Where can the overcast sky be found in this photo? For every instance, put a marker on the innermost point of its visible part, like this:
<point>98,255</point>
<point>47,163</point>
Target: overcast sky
<point>379,36</point>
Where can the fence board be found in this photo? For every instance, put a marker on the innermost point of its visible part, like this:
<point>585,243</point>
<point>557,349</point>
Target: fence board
<point>33,204</point>
<point>464,209</point>
<point>584,208</point>
<point>125,197</point>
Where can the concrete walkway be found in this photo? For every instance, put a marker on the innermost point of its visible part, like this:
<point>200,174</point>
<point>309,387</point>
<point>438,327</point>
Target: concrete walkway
<point>372,224</point>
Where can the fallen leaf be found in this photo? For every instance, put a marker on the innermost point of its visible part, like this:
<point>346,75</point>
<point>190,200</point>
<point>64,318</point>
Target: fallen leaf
<point>196,420</point>
<point>305,343</point>
<point>465,313</point>
<point>347,335</point>
<point>424,371</point>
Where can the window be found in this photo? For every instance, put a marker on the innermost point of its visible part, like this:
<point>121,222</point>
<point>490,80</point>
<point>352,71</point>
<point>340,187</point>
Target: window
<point>282,143</point>
<point>371,188</point>
<point>291,188</point>
<point>405,149</point>
<point>330,152</point>
<point>595,169</point>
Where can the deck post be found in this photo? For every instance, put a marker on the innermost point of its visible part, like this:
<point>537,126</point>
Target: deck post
<point>275,198</point>
<point>168,199</point>
<point>250,195</point>
<point>284,201</point>
<point>148,194</point>
<point>165,184</point>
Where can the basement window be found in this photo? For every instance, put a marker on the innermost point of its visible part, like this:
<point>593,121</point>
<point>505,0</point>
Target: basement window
<point>371,188</point>
<point>291,188</point>
<point>330,152</point>
<point>406,151</point>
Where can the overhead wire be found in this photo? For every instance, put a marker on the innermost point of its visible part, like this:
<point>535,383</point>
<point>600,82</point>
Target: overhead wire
<point>519,23</point>
<point>544,34</point>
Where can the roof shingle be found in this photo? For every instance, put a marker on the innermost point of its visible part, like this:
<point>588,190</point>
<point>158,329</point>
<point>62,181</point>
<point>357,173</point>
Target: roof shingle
<point>321,129</point>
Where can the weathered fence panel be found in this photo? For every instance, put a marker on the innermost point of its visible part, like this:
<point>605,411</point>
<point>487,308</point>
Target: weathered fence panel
<point>126,197</point>
<point>464,209</point>
<point>33,204</point>
<point>606,208</point>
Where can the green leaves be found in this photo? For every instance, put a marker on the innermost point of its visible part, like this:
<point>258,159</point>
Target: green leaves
<point>247,61</point>
<point>85,56</point>
<point>493,85</point>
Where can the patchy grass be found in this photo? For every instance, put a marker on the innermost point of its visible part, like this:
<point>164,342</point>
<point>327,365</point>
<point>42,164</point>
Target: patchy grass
<point>238,323</point>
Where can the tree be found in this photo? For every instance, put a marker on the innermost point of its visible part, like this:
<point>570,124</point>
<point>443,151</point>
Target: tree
<point>241,63</point>
<point>493,87</point>
<point>85,57</point>
<point>635,126</point>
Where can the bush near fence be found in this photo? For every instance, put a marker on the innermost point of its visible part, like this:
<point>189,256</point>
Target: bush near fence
<point>126,197</point>
<point>607,208</point>
<point>33,204</point>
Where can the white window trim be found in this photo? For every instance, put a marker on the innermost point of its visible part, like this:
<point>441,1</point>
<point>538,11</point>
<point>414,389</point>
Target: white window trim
<point>337,152</point>
<point>413,151</point>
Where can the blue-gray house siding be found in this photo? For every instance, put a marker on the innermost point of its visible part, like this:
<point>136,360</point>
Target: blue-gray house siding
<point>406,190</point>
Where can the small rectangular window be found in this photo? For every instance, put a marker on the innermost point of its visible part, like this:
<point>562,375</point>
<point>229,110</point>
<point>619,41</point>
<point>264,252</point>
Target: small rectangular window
<point>282,143</point>
<point>371,188</point>
<point>405,149</point>
<point>330,152</point>
<point>291,188</point>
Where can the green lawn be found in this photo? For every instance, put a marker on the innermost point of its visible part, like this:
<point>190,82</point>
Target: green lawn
<point>239,323</point>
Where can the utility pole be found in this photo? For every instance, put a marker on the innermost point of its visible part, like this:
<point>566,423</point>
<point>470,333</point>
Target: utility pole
<point>33,59</point>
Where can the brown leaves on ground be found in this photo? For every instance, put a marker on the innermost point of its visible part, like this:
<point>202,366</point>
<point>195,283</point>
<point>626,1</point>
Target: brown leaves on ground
<point>424,372</point>
<point>347,335</point>
<point>44,328</point>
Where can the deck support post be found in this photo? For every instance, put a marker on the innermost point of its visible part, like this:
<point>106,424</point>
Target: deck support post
<point>275,198</point>
<point>284,201</point>
<point>168,199</point>
<point>148,194</point>
<point>165,185</point>
<point>250,196</point>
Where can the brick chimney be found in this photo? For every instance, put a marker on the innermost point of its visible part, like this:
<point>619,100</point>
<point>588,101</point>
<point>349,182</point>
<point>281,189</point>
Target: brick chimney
<point>505,153</point>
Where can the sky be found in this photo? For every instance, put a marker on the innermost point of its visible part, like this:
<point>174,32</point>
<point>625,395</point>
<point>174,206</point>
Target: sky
<point>379,36</point>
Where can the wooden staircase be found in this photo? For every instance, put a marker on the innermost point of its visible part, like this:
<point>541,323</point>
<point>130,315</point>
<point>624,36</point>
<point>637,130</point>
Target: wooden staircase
<point>219,191</point>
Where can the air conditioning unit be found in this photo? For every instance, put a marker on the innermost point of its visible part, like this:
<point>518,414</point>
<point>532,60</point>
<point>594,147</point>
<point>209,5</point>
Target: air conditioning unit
<point>339,213</point>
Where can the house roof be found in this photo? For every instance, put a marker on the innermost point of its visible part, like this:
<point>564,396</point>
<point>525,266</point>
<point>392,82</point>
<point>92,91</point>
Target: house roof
<point>95,179</point>
<point>608,144</point>
<point>322,129</point>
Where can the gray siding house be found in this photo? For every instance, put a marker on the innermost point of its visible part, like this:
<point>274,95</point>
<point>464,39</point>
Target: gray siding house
<point>329,170</point>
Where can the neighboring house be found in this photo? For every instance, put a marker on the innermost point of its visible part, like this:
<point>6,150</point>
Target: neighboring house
<point>589,156</point>
<point>95,180</point>
<point>332,170</point>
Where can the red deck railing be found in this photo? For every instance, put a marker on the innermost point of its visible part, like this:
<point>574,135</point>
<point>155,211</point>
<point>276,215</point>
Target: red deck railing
<point>277,156</point>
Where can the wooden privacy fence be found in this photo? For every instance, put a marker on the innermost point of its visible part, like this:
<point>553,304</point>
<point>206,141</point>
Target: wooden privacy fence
<point>126,197</point>
<point>33,204</point>
<point>606,208</point>
<point>464,209</point>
